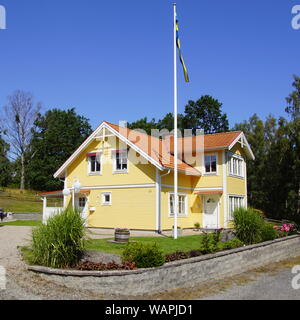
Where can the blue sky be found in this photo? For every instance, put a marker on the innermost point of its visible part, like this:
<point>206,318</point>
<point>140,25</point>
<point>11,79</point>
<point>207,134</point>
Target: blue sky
<point>113,60</point>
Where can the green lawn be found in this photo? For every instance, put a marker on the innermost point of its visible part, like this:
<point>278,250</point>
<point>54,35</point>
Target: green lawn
<point>168,245</point>
<point>22,223</point>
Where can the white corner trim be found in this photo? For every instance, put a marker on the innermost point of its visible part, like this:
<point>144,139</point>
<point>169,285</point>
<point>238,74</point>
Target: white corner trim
<point>158,201</point>
<point>225,211</point>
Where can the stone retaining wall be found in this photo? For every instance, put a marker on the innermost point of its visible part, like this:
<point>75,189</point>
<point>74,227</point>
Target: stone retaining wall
<point>178,274</point>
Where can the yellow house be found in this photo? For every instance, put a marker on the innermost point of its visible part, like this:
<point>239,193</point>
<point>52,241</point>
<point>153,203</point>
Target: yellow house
<point>124,178</point>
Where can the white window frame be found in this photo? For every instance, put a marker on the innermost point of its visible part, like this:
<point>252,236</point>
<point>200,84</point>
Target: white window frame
<point>103,195</point>
<point>241,204</point>
<point>240,163</point>
<point>185,214</point>
<point>90,172</point>
<point>217,161</point>
<point>115,170</point>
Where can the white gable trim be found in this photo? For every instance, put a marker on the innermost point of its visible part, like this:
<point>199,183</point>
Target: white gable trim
<point>244,141</point>
<point>60,171</point>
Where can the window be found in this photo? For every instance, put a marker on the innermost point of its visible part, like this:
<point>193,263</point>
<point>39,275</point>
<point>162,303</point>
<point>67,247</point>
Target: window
<point>235,166</point>
<point>235,202</point>
<point>182,205</point>
<point>95,164</point>
<point>121,161</point>
<point>106,198</point>
<point>82,202</point>
<point>211,164</point>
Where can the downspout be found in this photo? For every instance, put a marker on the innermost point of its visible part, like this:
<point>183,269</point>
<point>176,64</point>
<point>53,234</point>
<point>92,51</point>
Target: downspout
<point>158,199</point>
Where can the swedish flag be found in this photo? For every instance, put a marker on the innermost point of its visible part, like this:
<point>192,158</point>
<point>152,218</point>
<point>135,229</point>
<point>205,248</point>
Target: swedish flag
<point>186,76</point>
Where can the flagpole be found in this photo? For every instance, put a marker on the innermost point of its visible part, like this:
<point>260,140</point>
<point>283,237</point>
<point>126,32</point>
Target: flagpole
<point>175,129</point>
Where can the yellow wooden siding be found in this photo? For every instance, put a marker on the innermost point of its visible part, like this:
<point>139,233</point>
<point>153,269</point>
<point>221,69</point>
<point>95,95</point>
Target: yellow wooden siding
<point>137,173</point>
<point>130,208</point>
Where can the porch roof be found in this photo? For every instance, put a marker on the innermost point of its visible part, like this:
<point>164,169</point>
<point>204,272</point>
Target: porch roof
<point>59,193</point>
<point>207,192</point>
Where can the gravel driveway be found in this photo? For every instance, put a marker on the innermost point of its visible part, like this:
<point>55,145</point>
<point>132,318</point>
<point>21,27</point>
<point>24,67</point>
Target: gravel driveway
<point>22,284</point>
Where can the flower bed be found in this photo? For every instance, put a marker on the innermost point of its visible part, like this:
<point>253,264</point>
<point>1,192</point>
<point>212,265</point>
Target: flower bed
<point>98,266</point>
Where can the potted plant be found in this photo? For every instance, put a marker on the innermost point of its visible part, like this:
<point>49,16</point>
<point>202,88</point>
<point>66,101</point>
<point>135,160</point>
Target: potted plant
<point>197,226</point>
<point>122,235</point>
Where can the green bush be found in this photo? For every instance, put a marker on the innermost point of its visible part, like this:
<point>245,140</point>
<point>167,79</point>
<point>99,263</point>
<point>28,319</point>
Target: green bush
<point>231,244</point>
<point>61,242</point>
<point>248,225</point>
<point>268,232</point>
<point>208,243</point>
<point>144,255</point>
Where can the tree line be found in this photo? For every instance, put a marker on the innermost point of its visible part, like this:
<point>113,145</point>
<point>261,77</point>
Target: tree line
<point>34,145</point>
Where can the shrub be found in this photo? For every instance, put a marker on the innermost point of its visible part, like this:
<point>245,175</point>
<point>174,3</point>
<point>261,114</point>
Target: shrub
<point>208,243</point>
<point>144,255</point>
<point>61,242</point>
<point>248,225</point>
<point>268,232</point>
<point>231,244</point>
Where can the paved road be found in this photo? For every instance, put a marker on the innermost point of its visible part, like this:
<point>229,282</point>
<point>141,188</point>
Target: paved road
<point>270,286</point>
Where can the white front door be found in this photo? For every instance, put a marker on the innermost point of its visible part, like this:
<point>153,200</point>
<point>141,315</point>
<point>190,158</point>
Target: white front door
<point>210,216</point>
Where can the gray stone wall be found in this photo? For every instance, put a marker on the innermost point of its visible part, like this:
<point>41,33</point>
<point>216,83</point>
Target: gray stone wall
<point>178,274</point>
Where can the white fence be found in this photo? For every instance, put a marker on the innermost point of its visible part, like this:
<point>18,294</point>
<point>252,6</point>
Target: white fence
<point>49,212</point>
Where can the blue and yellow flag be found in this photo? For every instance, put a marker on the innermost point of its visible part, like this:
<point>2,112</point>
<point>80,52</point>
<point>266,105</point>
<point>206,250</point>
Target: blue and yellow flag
<point>186,76</point>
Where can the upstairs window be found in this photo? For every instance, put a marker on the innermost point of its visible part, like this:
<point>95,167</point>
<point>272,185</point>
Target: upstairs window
<point>211,164</point>
<point>120,161</point>
<point>236,166</point>
<point>94,163</point>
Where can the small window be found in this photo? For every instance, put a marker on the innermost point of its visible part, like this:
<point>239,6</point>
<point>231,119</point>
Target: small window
<point>182,205</point>
<point>82,202</point>
<point>211,164</point>
<point>95,164</point>
<point>106,199</point>
<point>121,161</point>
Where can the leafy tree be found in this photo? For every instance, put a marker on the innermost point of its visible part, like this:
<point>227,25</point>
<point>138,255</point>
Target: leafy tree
<point>5,172</point>
<point>168,122</point>
<point>206,114</point>
<point>143,124</point>
<point>56,136</point>
<point>293,100</point>
<point>254,130</point>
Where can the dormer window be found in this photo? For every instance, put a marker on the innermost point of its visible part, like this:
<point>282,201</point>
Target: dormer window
<point>120,158</point>
<point>94,163</point>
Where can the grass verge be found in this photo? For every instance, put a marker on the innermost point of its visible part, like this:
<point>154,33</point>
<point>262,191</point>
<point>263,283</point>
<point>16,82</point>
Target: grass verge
<point>22,223</point>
